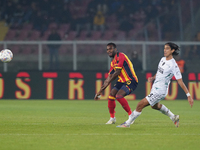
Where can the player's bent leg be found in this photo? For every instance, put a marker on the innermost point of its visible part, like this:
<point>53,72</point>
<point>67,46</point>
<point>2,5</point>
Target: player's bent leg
<point>124,103</point>
<point>163,109</point>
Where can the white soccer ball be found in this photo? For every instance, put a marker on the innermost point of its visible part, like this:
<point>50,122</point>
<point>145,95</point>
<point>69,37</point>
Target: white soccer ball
<point>6,55</point>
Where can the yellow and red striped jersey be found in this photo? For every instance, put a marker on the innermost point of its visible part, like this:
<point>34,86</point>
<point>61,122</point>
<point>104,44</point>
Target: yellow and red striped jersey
<point>121,61</point>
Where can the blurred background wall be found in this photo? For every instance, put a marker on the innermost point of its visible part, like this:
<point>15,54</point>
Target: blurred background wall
<point>80,29</point>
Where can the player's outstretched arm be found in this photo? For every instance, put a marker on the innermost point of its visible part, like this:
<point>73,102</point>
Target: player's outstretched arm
<point>109,79</point>
<point>182,85</point>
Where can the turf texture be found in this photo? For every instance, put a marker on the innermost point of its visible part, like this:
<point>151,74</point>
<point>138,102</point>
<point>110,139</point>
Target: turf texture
<point>80,125</point>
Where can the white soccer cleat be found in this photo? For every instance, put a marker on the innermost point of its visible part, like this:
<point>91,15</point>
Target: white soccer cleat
<point>176,120</point>
<point>124,125</point>
<point>111,121</point>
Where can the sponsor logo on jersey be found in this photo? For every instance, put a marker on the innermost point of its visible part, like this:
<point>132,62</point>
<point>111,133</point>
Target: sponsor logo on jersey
<point>161,70</point>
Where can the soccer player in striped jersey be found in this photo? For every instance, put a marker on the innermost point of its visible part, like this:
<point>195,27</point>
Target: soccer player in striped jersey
<point>167,68</point>
<point>122,68</point>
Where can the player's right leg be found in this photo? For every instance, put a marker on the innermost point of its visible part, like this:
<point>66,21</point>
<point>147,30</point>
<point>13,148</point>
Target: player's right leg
<point>111,106</point>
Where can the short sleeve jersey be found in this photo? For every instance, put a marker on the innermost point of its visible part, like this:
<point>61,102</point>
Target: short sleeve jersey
<point>121,61</point>
<point>166,70</point>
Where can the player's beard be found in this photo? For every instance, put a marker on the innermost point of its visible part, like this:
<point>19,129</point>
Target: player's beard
<point>113,55</point>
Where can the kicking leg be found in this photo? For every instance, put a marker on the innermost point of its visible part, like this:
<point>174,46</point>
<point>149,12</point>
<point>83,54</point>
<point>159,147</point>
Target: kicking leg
<point>163,109</point>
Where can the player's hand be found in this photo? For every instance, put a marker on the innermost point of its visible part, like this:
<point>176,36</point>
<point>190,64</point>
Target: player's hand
<point>191,101</point>
<point>97,96</point>
<point>150,79</point>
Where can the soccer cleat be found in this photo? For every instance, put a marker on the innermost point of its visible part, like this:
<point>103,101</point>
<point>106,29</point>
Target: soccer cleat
<point>123,125</point>
<point>111,121</point>
<point>176,120</point>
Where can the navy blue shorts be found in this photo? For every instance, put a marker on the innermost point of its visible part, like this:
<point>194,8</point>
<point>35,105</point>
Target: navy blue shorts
<point>128,86</point>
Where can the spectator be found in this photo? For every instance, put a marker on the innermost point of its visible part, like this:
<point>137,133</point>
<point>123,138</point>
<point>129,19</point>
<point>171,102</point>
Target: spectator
<point>181,64</point>
<point>99,21</point>
<point>53,49</point>
<point>137,63</point>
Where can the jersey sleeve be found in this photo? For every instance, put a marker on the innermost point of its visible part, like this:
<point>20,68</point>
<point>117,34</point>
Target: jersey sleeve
<point>120,61</point>
<point>177,72</point>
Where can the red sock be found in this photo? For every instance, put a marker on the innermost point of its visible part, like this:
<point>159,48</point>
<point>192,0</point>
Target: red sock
<point>124,104</point>
<point>111,106</point>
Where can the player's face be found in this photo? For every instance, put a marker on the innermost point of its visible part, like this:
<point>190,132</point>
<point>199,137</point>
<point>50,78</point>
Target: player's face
<point>168,51</point>
<point>111,50</point>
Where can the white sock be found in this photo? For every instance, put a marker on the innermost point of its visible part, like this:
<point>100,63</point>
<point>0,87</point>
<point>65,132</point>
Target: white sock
<point>133,116</point>
<point>166,111</point>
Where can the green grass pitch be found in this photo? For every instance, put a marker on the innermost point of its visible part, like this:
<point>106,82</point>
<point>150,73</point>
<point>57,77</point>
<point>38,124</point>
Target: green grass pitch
<point>80,125</point>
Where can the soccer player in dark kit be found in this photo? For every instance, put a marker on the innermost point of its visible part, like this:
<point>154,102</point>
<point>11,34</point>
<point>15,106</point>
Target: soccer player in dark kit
<point>122,68</point>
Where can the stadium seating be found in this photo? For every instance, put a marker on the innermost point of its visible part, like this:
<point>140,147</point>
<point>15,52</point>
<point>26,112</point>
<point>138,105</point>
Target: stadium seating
<point>64,27</point>
<point>96,35</point>
<point>23,35</point>
<point>53,25</point>
<point>120,35</point>
<point>71,35</point>
<point>28,26</point>
<point>10,35</point>
<point>35,35</point>
<point>108,34</point>
<point>83,35</point>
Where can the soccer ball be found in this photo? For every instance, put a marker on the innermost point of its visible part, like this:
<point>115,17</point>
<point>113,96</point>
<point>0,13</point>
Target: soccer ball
<point>6,55</point>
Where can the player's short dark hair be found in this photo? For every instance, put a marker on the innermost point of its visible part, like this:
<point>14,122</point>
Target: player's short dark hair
<point>113,44</point>
<point>173,46</point>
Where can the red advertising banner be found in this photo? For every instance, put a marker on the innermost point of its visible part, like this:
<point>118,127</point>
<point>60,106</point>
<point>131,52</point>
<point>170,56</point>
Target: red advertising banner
<point>82,85</point>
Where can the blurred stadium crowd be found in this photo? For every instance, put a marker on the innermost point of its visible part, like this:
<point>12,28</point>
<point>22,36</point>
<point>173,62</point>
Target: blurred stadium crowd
<point>84,19</point>
<point>110,20</point>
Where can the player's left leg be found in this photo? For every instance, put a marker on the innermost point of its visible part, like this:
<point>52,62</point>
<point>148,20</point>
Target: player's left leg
<point>163,109</point>
<point>124,90</point>
<point>120,98</point>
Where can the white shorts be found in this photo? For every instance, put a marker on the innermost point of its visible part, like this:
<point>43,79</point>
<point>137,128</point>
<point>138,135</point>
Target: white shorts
<point>155,97</point>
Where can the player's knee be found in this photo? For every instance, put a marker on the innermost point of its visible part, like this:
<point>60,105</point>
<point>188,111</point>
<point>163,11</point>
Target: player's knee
<point>119,96</point>
<point>155,107</point>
